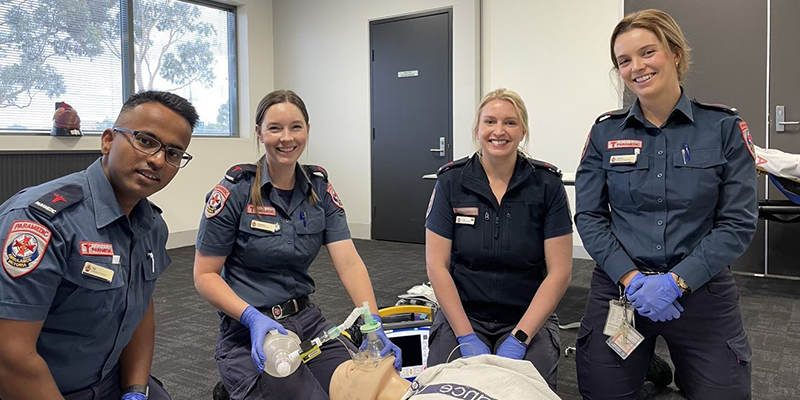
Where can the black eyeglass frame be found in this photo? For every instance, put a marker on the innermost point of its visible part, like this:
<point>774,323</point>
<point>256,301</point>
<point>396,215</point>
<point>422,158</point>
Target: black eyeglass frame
<point>161,146</point>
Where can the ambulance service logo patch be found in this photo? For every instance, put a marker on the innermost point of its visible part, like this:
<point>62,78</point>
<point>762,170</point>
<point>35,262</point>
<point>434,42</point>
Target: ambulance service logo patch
<point>335,197</point>
<point>748,140</point>
<point>24,247</point>
<point>216,201</point>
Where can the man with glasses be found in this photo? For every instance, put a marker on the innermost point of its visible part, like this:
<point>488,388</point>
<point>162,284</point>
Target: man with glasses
<point>81,255</point>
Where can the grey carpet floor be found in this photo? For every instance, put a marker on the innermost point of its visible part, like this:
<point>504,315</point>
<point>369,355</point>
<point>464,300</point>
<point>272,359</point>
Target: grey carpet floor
<point>187,326</point>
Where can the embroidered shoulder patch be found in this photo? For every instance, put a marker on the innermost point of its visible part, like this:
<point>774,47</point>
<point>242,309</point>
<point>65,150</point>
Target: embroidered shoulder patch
<point>24,247</point>
<point>335,197</point>
<point>216,201</point>
<point>748,140</point>
<point>430,203</point>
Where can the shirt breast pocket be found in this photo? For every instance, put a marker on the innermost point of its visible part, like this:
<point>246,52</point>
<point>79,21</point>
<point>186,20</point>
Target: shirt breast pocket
<point>91,295</point>
<point>309,230</point>
<point>262,241</point>
<point>699,178</point>
<point>153,268</point>
<point>472,229</point>
<point>626,182</point>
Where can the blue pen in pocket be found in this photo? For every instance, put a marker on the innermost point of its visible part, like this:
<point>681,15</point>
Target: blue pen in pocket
<point>303,218</point>
<point>686,150</point>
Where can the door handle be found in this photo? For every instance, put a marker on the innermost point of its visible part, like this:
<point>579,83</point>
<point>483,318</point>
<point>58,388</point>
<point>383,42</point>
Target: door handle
<point>780,114</point>
<point>440,150</point>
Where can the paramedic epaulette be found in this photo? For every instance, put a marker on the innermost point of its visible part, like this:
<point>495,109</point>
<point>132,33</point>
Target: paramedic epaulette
<point>316,170</point>
<point>612,114</point>
<point>58,200</point>
<point>240,171</point>
<point>537,164</point>
<point>452,164</point>
<point>717,107</point>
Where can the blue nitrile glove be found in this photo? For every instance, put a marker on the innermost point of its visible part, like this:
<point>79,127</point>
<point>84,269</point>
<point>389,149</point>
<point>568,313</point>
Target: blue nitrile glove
<point>133,396</point>
<point>388,346</point>
<point>656,294</point>
<point>259,325</point>
<point>673,311</point>
<point>472,346</point>
<point>512,348</point>
<point>635,284</point>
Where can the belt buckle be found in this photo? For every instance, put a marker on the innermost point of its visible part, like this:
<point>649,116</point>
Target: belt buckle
<point>277,312</point>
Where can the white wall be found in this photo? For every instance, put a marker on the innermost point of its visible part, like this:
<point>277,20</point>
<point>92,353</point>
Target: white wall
<point>322,53</point>
<point>182,200</point>
<point>555,54</point>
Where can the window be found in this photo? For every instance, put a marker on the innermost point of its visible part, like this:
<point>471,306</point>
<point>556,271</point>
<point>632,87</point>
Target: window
<point>80,52</point>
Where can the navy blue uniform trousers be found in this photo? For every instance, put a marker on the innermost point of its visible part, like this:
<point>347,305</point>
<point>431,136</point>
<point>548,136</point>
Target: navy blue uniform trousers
<point>707,344</point>
<point>109,389</point>
<point>543,352</point>
<point>310,382</point>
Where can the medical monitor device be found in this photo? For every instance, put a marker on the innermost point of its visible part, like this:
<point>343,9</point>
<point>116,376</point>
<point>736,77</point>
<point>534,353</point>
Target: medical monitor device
<point>414,344</point>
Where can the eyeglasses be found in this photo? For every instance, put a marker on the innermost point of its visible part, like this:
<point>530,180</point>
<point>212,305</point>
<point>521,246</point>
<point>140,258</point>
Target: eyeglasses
<point>149,145</point>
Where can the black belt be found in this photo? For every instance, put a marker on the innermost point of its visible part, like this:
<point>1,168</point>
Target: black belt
<point>646,272</point>
<point>289,308</point>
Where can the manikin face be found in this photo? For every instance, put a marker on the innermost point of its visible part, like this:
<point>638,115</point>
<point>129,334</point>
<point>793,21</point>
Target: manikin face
<point>499,130</point>
<point>135,175</point>
<point>645,65</point>
<point>353,382</point>
<point>284,133</point>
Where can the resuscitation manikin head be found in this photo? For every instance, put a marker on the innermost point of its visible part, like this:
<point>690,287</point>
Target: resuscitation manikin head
<point>66,121</point>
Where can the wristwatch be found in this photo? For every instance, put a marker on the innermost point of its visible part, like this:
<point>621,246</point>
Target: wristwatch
<point>682,284</point>
<point>521,336</point>
<point>143,389</point>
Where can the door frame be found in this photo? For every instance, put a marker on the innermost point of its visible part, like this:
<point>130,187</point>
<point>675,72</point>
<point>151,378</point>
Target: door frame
<point>450,136</point>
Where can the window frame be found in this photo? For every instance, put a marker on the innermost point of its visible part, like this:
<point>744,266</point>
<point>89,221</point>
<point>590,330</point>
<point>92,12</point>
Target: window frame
<point>129,80</point>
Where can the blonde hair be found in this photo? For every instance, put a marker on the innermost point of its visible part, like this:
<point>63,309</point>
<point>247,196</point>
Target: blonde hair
<point>271,99</point>
<point>666,30</point>
<point>519,106</point>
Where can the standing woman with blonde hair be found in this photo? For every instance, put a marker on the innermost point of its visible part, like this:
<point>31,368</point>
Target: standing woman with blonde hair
<point>498,246</point>
<point>666,201</point>
<point>263,226</point>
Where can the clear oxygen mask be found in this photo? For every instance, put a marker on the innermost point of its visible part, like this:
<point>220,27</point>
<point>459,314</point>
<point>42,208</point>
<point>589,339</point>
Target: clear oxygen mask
<point>282,352</point>
<point>370,355</point>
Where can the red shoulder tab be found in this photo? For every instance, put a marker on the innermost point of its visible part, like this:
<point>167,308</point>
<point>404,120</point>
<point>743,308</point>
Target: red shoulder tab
<point>239,171</point>
<point>538,164</point>
<point>612,114</point>
<point>58,200</point>
<point>718,107</point>
<point>452,164</point>
<point>316,170</point>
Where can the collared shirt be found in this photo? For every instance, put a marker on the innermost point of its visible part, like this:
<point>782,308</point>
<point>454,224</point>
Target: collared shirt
<point>498,249</point>
<point>679,197</point>
<point>88,320</point>
<point>266,266</point>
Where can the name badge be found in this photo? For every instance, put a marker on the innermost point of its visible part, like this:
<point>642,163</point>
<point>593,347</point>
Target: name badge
<point>624,159</point>
<point>265,226</point>
<point>465,220</point>
<point>97,272</point>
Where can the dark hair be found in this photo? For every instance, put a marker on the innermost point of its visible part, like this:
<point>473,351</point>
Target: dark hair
<point>666,30</point>
<point>172,101</point>
<point>272,98</point>
<point>277,97</point>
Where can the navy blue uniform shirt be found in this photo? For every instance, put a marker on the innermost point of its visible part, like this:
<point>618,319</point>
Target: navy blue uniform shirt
<point>62,239</point>
<point>268,264</point>
<point>687,203</point>
<point>498,249</point>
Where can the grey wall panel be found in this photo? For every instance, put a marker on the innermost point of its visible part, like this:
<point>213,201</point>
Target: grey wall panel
<point>19,170</point>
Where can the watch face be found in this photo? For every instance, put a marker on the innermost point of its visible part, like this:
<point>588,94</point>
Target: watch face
<point>521,336</point>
